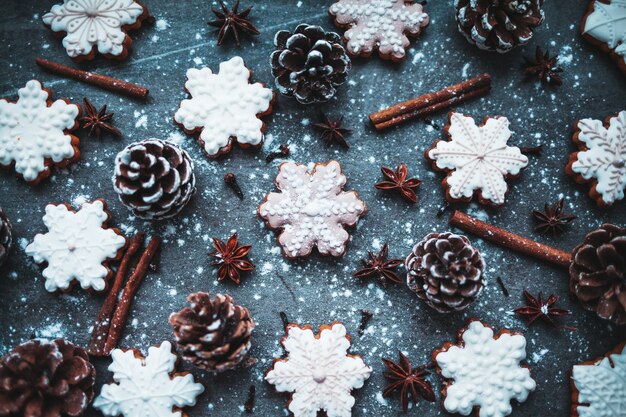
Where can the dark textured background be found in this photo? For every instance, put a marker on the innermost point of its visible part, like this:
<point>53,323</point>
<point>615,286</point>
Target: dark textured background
<point>317,290</point>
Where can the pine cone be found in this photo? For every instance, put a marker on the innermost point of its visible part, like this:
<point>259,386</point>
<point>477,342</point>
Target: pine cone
<point>6,237</point>
<point>154,178</point>
<point>598,272</point>
<point>213,334</point>
<point>445,271</point>
<point>42,378</point>
<point>498,25</point>
<point>309,64</point>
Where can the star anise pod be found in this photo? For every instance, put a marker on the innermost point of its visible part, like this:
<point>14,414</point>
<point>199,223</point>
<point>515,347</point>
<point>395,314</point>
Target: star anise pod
<point>380,266</point>
<point>397,180</point>
<point>231,258</point>
<point>410,381</point>
<point>552,218</point>
<point>543,67</point>
<point>538,308</point>
<point>98,120</point>
<point>232,21</point>
<point>331,131</point>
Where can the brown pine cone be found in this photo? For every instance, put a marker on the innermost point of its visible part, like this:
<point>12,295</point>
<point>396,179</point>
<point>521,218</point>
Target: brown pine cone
<point>598,272</point>
<point>154,178</point>
<point>42,378</point>
<point>6,237</point>
<point>213,334</point>
<point>498,25</point>
<point>445,271</point>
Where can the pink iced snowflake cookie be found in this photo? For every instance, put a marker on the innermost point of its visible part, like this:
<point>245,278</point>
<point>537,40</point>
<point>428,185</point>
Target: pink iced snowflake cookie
<point>224,107</point>
<point>88,26</point>
<point>311,209</point>
<point>379,24</point>
<point>35,133</point>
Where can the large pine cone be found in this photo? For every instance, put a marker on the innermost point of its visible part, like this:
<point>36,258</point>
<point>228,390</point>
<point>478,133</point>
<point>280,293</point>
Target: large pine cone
<point>445,271</point>
<point>498,25</point>
<point>154,178</point>
<point>598,272</point>
<point>6,237</point>
<point>42,378</point>
<point>213,334</point>
<point>309,64</point>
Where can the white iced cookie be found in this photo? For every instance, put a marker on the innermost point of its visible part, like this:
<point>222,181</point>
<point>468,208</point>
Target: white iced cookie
<point>605,26</point>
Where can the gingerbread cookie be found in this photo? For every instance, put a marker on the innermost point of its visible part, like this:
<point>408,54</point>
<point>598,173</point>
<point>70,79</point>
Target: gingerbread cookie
<point>88,26</point>
<point>147,386</point>
<point>78,246</point>
<point>224,107</point>
<point>604,25</point>
<point>319,371</point>
<point>483,373</point>
<point>599,386</point>
<point>311,209</point>
<point>477,159</point>
<point>35,133</point>
<point>601,159</point>
<point>381,25</point>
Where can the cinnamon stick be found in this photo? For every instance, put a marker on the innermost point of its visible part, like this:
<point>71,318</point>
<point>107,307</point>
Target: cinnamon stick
<point>510,240</point>
<point>100,330</point>
<point>130,289</point>
<point>99,80</point>
<point>432,102</point>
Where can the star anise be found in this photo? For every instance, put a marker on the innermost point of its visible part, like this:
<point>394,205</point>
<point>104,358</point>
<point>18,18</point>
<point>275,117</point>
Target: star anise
<point>552,219</point>
<point>232,21</point>
<point>410,381</point>
<point>231,258</point>
<point>98,120</point>
<point>331,131</point>
<point>397,180</point>
<point>380,266</point>
<point>537,308</point>
<point>543,67</point>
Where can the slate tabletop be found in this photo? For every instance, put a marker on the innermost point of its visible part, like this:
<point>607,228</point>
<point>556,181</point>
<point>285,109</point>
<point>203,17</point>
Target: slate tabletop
<point>317,290</point>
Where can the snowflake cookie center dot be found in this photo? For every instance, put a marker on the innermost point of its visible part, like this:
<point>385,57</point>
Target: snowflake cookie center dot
<point>319,375</point>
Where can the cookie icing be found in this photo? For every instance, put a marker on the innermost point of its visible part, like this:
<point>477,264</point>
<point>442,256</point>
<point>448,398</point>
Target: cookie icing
<point>381,24</point>
<point>319,371</point>
<point>224,106</point>
<point>311,209</point>
<point>478,157</point>
<point>76,246</point>
<point>485,372</point>
<point>93,23</point>
<point>607,24</point>
<point>33,132</point>
<point>144,387</point>
<point>604,159</point>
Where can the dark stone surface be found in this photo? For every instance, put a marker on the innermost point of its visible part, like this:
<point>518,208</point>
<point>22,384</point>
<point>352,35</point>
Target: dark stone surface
<point>317,290</point>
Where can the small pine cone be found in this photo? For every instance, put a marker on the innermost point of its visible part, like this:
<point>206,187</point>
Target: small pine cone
<point>309,63</point>
<point>154,178</point>
<point>213,334</point>
<point>6,237</point>
<point>498,25</point>
<point>445,271</point>
<point>598,272</point>
<point>47,379</point>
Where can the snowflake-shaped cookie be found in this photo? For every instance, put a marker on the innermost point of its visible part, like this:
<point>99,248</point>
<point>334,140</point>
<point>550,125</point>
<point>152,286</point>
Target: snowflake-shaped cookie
<point>379,24</point>
<point>224,107</point>
<point>95,24</point>
<point>599,387</point>
<point>311,209</point>
<point>319,371</point>
<point>144,386</point>
<point>34,132</point>
<point>77,246</point>
<point>477,158</point>
<point>605,26</point>
<point>484,372</point>
<point>602,157</point>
